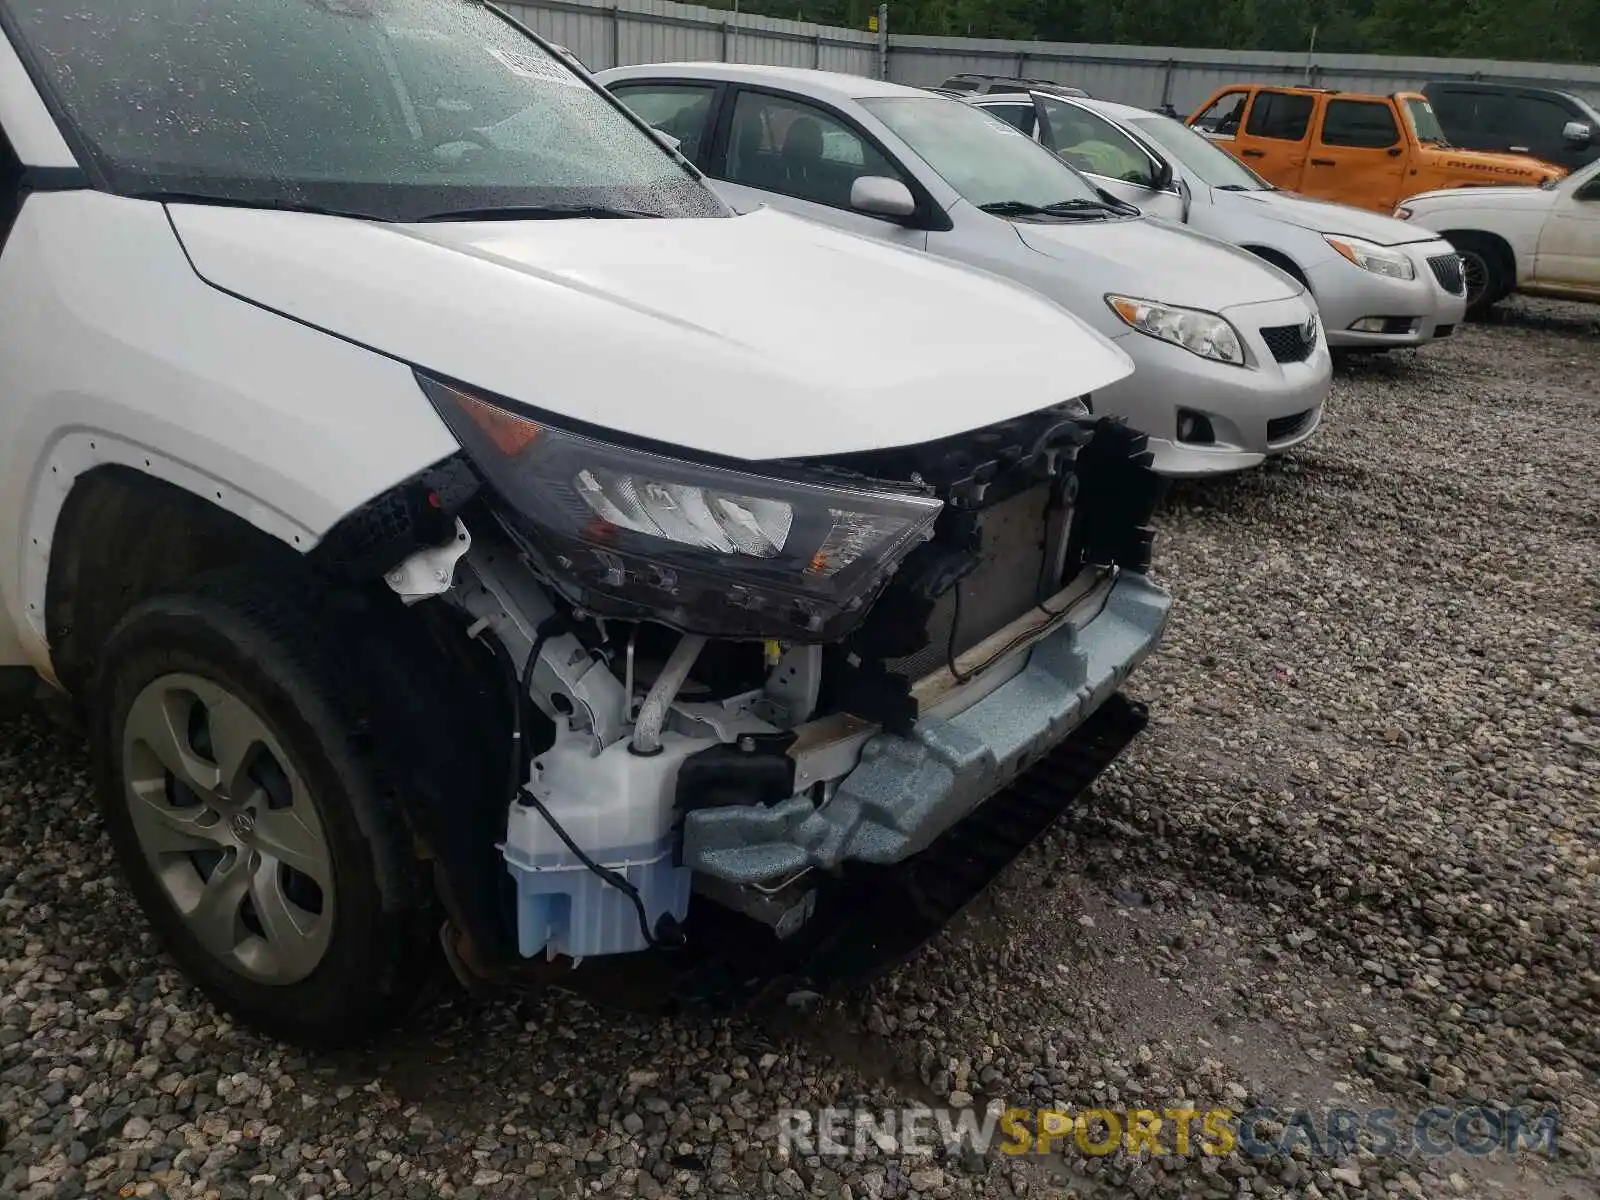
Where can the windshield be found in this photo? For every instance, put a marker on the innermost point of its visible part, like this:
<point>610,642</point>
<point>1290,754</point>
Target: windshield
<point>1201,157</point>
<point>394,109</point>
<point>1423,123</point>
<point>986,160</point>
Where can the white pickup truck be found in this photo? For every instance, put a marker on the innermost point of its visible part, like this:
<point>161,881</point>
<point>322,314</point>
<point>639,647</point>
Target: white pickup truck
<point>451,519</point>
<point>1543,241</point>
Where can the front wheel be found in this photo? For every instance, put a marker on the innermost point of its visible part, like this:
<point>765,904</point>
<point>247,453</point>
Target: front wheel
<point>245,814</point>
<point>1484,271</point>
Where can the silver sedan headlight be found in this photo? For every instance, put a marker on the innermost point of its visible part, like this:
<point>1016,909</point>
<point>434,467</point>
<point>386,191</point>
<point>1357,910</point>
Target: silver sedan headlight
<point>1197,331</point>
<point>1369,256</point>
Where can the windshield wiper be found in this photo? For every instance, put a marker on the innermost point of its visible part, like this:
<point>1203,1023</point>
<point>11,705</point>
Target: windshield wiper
<point>269,203</point>
<point>1090,209</point>
<point>535,212</point>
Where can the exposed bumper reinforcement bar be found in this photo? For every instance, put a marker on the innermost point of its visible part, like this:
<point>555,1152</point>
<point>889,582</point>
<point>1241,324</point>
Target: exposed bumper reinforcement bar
<point>905,792</point>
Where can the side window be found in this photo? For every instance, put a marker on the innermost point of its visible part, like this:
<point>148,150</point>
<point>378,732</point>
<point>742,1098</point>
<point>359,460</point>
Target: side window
<point>679,109</point>
<point>1454,108</point>
<point>1365,123</point>
<point>1089,142</point>
<point>1281,115</point>
<point>1020,115</point>
<point>1223,115</point>
<point>1540,120</point>
<point>795,148</point>
<point>1495,114</point>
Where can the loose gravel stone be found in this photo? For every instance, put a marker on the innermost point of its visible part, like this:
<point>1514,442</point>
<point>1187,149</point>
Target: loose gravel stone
<point>1352,863</point>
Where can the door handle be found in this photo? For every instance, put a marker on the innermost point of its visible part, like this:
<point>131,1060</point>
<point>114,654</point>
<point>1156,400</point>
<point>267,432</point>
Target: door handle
<point>1253,153</point>
<point>1394,151</point>
<point>1323,162</point>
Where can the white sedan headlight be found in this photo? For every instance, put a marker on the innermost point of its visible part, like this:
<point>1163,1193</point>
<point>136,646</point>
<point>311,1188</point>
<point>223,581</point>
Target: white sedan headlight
<point>1197,331</point>
<point>1380,260</point>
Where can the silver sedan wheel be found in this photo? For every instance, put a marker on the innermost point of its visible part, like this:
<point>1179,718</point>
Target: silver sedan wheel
<point>228,828</point>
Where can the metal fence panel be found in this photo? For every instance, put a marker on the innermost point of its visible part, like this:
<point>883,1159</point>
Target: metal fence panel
<point>606,33</point>
<point>1151,75</point>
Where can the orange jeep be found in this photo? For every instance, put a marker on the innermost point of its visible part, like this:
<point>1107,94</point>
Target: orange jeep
<point>1369,151</point>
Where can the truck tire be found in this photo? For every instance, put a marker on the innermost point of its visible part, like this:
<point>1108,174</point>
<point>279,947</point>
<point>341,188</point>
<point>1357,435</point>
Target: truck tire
<point>1488,275</point>
<point>248,816</point>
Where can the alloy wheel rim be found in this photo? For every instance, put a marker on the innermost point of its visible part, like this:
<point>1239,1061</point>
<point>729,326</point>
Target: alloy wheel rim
<point>227,825</point>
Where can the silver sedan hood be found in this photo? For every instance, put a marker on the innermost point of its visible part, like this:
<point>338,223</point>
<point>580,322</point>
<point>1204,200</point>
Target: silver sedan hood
<point>1324,216</point>
<point>1152,259</point>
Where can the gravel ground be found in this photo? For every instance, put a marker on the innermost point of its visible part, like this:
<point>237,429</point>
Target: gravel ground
<point>1353,863</point>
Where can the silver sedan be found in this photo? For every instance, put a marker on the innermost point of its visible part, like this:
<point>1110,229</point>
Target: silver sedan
<point>1380,283</point>
<point>1230,362</point>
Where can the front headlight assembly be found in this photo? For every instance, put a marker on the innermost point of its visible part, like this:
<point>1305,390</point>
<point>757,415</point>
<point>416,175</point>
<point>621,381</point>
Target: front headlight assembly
<point>1369,256</point>
<point>706,549</point>
<point>1197,331</point>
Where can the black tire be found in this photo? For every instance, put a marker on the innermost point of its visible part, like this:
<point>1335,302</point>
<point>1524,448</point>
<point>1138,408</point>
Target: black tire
<point>264,649</point>
<point>1488,274</point>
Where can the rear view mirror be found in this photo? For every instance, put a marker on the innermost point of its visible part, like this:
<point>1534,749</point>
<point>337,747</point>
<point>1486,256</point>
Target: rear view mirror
<point>881,196</point>
<point>1161,177</point>
<point>1577,133</point>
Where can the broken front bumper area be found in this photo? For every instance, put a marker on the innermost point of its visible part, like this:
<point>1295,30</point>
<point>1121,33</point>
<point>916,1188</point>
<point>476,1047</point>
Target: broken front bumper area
<point>885,797</point>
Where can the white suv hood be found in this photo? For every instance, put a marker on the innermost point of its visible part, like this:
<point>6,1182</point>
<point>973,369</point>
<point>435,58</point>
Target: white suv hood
<point>1324,216</point>
<point>754,337</point>
<point>1505,198</point>
<point>1150,259</point>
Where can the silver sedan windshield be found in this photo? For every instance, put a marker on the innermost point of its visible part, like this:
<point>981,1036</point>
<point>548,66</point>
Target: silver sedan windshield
<point>1209,163</point>
<point>986,160</point>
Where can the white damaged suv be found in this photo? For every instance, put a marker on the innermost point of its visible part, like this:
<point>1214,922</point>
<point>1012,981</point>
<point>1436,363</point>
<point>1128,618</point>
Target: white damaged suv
<point>451,520</point>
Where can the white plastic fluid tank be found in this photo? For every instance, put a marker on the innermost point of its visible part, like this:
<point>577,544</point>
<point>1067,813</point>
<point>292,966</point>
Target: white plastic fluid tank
<point>617,806</point>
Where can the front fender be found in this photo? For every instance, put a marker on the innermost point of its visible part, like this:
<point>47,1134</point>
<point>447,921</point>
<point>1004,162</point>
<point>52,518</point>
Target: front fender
<point>116,352</point>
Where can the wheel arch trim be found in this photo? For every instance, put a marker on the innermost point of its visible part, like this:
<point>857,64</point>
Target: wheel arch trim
<point>73,455</point>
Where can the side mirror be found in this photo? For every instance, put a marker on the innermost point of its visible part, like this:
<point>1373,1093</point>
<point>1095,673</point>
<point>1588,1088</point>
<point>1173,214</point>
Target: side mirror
<point>1577,133</point>
<point>880,196</point>
<point>665,138</point>
<point>1161,179</point>
<point>1186,197</point>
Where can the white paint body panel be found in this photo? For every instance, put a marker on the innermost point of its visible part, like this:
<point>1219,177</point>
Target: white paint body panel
<point>752,337</point>
<point>1554,235</point>
<point>114,351</point>
<point>280,387</point>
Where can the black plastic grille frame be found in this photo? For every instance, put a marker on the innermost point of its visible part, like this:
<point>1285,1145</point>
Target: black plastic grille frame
<point>1447,270</point>
<point>1281,429</point>
<point>1289,343</point>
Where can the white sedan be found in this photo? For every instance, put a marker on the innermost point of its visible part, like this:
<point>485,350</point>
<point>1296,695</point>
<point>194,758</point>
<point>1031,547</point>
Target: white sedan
<point>1544,241</point>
